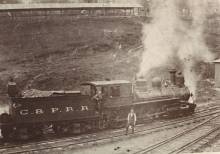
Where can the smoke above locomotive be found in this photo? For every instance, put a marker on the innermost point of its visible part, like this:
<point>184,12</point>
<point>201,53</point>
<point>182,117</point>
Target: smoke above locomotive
<point>175,37</point>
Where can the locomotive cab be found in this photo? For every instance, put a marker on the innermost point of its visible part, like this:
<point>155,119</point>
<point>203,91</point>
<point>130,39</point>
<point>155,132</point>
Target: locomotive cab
<point>116,100</point>
<point>113,93</point>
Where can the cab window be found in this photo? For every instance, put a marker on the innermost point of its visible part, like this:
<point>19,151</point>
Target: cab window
<point>93,90</point>
<point>105,91</point>
<point>98,88</point>
<point>85,89</point>
<point>115,91</point>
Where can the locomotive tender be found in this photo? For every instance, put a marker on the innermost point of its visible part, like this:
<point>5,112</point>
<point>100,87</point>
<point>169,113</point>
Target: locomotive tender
<point>72,112</point>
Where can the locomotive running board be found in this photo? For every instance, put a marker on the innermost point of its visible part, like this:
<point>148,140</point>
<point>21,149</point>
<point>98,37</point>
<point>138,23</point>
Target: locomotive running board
<point>152,101</point>
<point>143,102</point>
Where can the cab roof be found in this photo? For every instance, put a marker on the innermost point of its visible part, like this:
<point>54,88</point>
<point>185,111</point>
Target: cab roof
<point>102,83</point>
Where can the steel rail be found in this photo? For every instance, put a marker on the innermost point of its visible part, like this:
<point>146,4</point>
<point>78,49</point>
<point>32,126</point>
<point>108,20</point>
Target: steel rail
<point>161,125</point>
<point>167,123</point>
<point>194,141</point>
<point>161,143</point>
<point>71,140</point>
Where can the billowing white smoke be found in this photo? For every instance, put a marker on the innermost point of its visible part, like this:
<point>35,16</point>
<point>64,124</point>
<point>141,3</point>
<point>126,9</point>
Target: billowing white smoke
<point>193,47</point>
<point>158,36</point>
<point>168,37</point>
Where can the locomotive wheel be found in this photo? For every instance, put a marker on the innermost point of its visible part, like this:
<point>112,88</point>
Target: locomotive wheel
<point>192,108</point>
<point>7,132</point>
<point>36,132</point>
<point>63,128</point>
<point>22,133</point>
<point>6,129</point>
<point>88,127</point>
<point>95,125</point>
<point>115,124</point>
<point>57,128</point>
<point>120,124</point>
<point>104,122</point>
<point>113,119</point>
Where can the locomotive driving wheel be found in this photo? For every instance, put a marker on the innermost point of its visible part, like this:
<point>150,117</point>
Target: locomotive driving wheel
<point>7,130</point>
<point>59,129</point>
<point>114,119</point>
<point>55,128</point>
<point>68,128</point>
<point>22,133</point>
<point>36,131</point>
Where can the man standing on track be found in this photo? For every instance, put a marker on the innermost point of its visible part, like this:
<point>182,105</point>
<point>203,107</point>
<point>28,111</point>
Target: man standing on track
<point>131,121</point>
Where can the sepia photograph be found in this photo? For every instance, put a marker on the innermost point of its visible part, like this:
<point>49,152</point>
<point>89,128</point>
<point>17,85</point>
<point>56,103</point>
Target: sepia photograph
<point>109,76</point>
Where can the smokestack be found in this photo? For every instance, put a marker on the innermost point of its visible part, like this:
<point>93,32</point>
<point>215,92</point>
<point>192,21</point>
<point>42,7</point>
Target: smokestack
<point>173,76</point>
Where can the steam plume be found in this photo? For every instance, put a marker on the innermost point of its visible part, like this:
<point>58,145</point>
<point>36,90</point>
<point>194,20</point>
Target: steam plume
<point>193,48</point>
<point>158,36</point>
<point>168,36</point>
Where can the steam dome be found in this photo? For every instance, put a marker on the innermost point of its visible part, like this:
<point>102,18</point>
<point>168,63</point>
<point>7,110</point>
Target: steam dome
<point>156,82</point>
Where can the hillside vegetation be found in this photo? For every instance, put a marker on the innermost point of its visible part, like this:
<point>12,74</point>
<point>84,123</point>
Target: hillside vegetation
<point>61,52</point>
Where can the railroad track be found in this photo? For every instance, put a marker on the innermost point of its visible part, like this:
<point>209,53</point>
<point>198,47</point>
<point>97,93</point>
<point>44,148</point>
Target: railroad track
<point>167,123</point>
<point>91,139</point>
<point>182,140</point>
<point>206,109</point>
<point>198,142</point>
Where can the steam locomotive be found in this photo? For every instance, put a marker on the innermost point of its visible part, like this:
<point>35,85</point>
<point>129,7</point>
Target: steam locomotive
<point>73,112</point>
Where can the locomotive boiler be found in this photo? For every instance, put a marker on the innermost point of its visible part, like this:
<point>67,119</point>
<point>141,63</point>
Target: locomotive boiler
<point>72,112</point>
